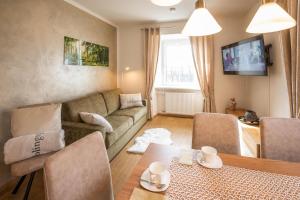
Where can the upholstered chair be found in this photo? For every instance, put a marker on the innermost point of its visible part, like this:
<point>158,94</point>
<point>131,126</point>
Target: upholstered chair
<point>280,139</point>
<point>33,119</point>
<point>217,130</point>
<point>80,171</point>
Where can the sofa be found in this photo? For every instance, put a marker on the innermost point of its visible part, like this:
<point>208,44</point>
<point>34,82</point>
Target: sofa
<point>125,122</point>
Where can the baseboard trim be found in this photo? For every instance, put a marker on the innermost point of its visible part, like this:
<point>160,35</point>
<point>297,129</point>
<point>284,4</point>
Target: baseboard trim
<point>176,115</point>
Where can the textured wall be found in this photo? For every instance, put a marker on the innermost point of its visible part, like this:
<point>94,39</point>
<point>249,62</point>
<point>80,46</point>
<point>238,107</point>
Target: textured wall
<point>31,57</point>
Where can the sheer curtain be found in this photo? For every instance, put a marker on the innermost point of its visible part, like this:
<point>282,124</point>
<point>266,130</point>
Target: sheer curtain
<point>203,54</point>
<point>151,51</point>
<point>290,44</point>
<point>176,66</point>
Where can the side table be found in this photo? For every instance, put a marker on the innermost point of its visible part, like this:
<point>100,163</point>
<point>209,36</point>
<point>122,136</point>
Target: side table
<point>251,133</point>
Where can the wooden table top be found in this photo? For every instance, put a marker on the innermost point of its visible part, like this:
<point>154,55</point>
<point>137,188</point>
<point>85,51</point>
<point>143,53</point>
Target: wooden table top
<point>165,154</point>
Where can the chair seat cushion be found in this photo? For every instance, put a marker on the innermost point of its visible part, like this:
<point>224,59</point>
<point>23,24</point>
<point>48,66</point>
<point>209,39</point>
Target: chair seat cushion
<point>120,125</point>
<point>27,166</point>
<point>135,113</point>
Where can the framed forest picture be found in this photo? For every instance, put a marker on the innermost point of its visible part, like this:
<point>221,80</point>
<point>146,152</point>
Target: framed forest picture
<point>78,52</point>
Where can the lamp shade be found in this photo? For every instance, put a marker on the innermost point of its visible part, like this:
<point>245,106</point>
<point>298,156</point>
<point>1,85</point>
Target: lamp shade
<point>201,23</point>
<point>166,2</point>
<point>270,17</point>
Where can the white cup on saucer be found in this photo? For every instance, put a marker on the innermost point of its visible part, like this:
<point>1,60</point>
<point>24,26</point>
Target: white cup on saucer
<point>157,171</point>
<point>209,154</point>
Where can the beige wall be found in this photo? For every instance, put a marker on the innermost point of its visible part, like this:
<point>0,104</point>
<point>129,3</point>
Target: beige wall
<point>131,48</point>
<point>131,55</point>
<point>228,86</point>
<point>268,95</point>
<point>31,57</point>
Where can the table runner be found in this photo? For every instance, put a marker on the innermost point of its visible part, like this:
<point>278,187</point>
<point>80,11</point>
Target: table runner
<point>196,182</point>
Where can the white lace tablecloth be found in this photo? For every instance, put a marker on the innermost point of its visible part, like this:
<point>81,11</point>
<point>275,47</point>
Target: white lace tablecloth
<point>196,182</point>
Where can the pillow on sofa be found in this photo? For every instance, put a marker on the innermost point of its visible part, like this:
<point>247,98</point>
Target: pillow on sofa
<point>131,100</point>
<point>95,119</point>
<point>36,119</point>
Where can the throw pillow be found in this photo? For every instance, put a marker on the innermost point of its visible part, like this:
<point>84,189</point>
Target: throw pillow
<point>27,146</point>
<point>36,119</point>
<point>95,119</point>
<point>131,100</point>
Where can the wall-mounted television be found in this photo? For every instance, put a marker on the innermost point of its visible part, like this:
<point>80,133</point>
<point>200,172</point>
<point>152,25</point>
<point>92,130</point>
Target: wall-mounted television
<point>246,57</point>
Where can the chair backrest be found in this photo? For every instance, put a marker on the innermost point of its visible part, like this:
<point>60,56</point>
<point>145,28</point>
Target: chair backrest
<point>80,171</point>
<point>280,139</point>
<point>217,130</point>
<point>36,119</point>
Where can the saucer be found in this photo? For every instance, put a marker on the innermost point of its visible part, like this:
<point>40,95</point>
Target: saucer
<point>152,187</point>
<point>217,164</point>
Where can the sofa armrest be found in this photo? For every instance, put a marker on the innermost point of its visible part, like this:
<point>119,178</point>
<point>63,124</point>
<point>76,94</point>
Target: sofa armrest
<point>77,130</point>
<point>145,102</point>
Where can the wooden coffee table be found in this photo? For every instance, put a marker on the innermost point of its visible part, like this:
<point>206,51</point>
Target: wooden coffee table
<point>165,154</point>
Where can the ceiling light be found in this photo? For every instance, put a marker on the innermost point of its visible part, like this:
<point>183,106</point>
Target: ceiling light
<point>201,22</point>
<point>270,17</point>
<point>166,2</point>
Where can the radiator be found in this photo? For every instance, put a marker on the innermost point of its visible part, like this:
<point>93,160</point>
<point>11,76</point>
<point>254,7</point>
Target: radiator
<point>182,103</point>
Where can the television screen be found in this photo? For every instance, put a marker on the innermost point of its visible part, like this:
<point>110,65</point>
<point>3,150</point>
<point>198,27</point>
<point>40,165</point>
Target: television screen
<point>246,57</point>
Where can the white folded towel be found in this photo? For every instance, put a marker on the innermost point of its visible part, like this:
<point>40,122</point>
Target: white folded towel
<point>154,135</point>
<point>27,146</point>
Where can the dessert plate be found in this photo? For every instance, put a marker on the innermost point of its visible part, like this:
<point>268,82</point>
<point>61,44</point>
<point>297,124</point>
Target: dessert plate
<point>145,182</point>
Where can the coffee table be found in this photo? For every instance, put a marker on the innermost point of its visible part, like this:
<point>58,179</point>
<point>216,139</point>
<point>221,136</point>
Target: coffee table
<point>165,154</point>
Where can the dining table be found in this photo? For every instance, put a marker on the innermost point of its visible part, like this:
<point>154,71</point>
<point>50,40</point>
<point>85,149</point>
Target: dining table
<point>167,153</point>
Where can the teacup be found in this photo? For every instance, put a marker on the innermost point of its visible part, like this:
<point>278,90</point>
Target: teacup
<point>157,171</point>
<point>209,154</point>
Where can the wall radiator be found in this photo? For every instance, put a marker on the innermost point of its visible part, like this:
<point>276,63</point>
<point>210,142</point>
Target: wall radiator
<point>181,102</point>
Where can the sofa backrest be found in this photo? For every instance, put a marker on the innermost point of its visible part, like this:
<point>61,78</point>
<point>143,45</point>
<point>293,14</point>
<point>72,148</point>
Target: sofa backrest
<point>112,100</point>
<point>93,103</point>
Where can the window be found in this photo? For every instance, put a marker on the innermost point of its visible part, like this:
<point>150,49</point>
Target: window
<point>175,65</point>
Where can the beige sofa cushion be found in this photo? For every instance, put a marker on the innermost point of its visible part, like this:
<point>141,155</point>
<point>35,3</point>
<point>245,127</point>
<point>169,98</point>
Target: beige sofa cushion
<point>112,100</point>
<point>120,124</point>
<point>93,104</point>
<point>136,113</point>
<point>38,119</point>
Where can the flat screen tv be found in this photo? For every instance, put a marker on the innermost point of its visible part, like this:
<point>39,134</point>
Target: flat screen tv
<point>246,57</point>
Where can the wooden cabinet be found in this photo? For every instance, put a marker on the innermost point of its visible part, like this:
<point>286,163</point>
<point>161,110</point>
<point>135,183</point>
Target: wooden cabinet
<point>250,133</point>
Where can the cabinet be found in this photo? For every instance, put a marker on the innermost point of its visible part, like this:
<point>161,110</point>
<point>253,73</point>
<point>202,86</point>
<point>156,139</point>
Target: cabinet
<point>250,133</point>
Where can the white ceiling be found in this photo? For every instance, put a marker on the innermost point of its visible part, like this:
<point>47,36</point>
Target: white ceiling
<point>143,11</point>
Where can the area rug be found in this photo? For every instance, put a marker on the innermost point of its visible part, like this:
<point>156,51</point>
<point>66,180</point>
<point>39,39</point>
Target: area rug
<point>154,135</point>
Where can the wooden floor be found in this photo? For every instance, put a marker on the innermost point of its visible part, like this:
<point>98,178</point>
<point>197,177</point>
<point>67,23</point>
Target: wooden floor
<point>123,164</point>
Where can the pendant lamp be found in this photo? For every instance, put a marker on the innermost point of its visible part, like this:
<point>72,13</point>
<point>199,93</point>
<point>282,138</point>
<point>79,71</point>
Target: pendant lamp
<point>201,22</point>
<point>270,17</point>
